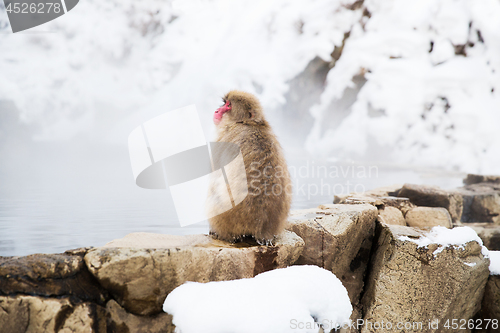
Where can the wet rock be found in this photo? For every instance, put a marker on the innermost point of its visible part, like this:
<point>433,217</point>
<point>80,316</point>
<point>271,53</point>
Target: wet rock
<point>432,196</point>
<point>33,314</point>
<point>140,269</point>
<point>391,215</point>
<point>481,203</point>
<point>50,275</point>
<point>491,303</point>
<point>120,321</point>
<point>428,217</point>
<point>337,238</point>
<point>475,179</point>
<point>490,234</point>
<point>409,284</point>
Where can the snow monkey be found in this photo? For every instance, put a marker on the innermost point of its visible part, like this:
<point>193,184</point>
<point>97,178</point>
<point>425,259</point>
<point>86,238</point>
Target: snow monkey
<point>263,213</point>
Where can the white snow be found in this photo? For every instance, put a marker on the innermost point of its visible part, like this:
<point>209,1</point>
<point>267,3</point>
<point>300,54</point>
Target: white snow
<point>109,60</point>
<point>495,262</point>
<point>438,108</point>
<point>444,237</point>
<point>293,299</point>
<point>108,65</point>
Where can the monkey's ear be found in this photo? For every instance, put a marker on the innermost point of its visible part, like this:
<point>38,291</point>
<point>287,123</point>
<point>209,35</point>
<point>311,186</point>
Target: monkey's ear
<point>250,114</point>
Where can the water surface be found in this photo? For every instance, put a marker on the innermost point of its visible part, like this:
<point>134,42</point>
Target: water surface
<point>55,197</point>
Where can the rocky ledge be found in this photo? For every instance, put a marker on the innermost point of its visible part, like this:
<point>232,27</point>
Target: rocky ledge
<point>140,270</point>
<point>370,241</point>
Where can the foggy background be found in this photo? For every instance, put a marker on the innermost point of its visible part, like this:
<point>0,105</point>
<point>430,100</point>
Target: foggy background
<point>409,90</point>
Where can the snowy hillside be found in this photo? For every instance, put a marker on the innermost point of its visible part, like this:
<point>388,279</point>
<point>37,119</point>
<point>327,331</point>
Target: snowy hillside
<point>395,81</point>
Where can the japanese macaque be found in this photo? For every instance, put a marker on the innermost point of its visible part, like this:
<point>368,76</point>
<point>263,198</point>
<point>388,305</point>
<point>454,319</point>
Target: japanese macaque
<point>264,211</point>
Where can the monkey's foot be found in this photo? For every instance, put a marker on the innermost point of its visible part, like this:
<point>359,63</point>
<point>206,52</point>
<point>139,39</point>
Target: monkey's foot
<point>265,242</point>
<point>234,239</point>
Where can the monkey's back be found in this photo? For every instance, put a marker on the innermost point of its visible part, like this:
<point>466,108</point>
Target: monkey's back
<point>263,213</point>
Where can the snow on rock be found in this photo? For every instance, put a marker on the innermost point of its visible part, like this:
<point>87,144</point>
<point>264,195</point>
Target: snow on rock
<point>495,262</point>
<point>444,237</point>
<point>292,299</point>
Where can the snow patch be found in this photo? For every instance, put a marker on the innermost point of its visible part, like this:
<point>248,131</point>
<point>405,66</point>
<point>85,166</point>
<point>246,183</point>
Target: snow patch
<point>444,237</point>
<point>495,262</point>
<point>274,301</point>
<point>433,72</point>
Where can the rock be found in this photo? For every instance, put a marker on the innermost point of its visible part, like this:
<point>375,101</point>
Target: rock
<point>432,196</point>
<point>120,321</point>
<point>356,316</point>
<point>408,284</point>
<point>340,199</point>
<point>32,314</point>
<point>403,204</point>
<point>490,234</point>
<point>475,179</point>
<point>491,302</point>
<point>339,239</point>
<point>386,191</point>
<point>50,275</point>
<point>481,203</point>
<point>428,217</point>
<point>391,215</point>
<point>142,268</point>
<point>355,199</point>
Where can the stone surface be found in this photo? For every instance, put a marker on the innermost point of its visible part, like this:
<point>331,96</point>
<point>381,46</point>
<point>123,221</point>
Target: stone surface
<point>120,321</point>
<point>354,199</point>
<point>411,284</point>
<point>432,196</point>
<point>141,269</point>
<point>355,317</point>
<point>50,275</point>
<point>337,238</point>
<point>481,203</point>
<point>475,179</point>
<point>32,314</point>
<point>391,215</point>
<point>385,191</point>
<point>490,234</point>
<point>491,302</point>
<point>403,204</point>
<point>428,217</point>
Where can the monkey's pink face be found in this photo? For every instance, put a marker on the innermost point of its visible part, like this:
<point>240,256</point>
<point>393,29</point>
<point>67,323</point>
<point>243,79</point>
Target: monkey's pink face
<point>221,111</point>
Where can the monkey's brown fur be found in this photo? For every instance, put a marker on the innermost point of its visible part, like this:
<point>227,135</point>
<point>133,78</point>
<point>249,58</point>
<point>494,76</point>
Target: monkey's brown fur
<point>263,213</point>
